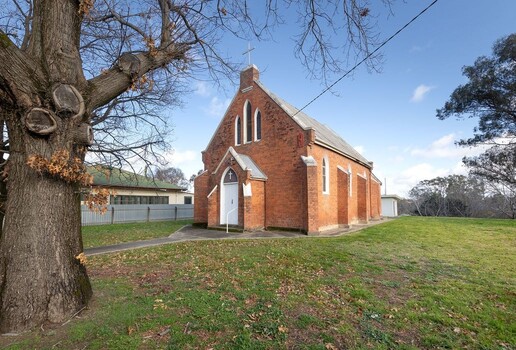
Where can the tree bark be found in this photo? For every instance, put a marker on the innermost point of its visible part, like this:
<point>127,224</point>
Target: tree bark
<point>40,277</point>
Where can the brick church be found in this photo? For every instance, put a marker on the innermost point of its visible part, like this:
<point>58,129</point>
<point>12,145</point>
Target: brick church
<point>271,166</point>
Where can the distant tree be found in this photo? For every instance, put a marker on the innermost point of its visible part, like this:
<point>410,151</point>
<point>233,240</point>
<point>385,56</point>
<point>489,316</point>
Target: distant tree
<point>496,165</point>
<point>193,176</point>
<point>406,207</point>
<point>173,175</point>
<point>501,202</point>
<point>490,95</point>
<point>458,195</point>
<point>453,195</point>
<point>429,197</point>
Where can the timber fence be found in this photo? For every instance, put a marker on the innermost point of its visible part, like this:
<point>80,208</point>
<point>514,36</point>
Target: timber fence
<point>121,213</point>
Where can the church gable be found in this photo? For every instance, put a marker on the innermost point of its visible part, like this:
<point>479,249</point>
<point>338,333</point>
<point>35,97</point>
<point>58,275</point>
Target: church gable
<point>253,123</point>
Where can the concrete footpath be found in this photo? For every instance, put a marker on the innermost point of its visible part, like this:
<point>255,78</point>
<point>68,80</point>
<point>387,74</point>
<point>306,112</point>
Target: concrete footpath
<point>190,233</point>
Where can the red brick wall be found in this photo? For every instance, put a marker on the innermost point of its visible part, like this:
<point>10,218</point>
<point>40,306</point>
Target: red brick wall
<point>376,201</point>
<point>254,207</point>
<point>200,199</point>
<point>213,208</point>
<point>343,197</point>
<point>362,198</point>
<point>328,203</point>
<point>311,200</point>
<point>278,154</point>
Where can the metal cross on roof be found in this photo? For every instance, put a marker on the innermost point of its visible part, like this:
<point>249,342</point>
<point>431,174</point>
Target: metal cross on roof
<point>248,51</point>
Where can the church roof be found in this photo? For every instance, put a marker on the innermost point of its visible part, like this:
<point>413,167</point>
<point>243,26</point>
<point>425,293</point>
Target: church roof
<point>245,162</point>
<point>256,172</point>
<point>324,136</point>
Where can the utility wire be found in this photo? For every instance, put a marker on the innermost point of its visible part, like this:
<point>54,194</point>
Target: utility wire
<point>367,57</point>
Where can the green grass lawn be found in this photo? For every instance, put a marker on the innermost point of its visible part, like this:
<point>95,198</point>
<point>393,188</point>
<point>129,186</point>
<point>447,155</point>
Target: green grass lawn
<point>411,283</point>
<point>101,235</point>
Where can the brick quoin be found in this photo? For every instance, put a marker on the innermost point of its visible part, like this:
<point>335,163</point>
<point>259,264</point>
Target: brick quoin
<point>287,184</point>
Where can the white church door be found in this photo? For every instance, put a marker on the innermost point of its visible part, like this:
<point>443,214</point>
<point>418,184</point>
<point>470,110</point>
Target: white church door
<point>229,199</point>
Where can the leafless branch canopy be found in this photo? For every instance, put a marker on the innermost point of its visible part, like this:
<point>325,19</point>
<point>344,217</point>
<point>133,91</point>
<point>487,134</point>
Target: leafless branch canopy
<point>133,59</point>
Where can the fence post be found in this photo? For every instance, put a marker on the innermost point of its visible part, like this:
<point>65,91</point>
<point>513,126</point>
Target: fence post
<point>148,214</point>
<point>112,215</point>
<point>175,213</point>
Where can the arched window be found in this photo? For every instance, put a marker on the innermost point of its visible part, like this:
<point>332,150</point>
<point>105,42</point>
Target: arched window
<point>248,122</point>
<point>258,125</point>
<point>325,176</point>
<point>238,131</point>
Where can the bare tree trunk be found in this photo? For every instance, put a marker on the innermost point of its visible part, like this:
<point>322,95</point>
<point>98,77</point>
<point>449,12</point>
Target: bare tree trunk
<point>38,250</point>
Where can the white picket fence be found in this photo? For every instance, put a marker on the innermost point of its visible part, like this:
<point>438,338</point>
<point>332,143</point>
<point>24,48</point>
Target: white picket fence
<point>137,213</point>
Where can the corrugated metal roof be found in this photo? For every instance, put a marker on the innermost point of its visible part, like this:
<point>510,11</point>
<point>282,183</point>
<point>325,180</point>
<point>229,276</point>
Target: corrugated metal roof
<point>256,172</point>
<point>103,176</point>
<point>323,134</point>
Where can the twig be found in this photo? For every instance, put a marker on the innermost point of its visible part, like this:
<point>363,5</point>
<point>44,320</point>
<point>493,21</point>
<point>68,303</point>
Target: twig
<point>185,330</point>
<point>75,314</point>
<point>162,333</point>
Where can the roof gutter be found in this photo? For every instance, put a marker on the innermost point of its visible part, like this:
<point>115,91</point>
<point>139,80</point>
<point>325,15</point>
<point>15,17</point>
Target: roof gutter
<point>325,145</point>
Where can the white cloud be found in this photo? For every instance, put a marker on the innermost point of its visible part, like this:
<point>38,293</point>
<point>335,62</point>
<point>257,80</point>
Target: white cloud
<point>403,182</point>
<point>445,147</point>
<point>202,89</point>
<point>397,159</point>
<point>420,92</point>
<point>178,157</point>
<point>217,107</point>
<point>189,161</point>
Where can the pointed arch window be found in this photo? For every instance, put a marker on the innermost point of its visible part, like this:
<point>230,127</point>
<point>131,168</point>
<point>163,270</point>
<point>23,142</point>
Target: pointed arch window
<point>238,131</point>
<point>325,176</point>
<point>258,125</point>
<point>248,122</point>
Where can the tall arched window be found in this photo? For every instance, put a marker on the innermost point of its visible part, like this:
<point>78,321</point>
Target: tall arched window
<point>325,176</point>
<point>248,122</point>
<point>238,131</point>
<point>258,125</point>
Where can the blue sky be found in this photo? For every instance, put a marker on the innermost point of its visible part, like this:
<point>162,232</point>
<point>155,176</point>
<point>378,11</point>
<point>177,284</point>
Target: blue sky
<point>390,116</point>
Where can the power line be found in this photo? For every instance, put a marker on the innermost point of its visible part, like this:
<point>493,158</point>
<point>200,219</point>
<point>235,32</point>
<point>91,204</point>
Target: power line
<point>367,57</point>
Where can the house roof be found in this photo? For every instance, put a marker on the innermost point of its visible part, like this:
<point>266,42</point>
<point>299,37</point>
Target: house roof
<point>111,177</point>
<point>324,136</point>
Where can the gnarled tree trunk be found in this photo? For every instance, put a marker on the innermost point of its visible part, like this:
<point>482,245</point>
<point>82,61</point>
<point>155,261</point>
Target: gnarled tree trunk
<point>40,277</point>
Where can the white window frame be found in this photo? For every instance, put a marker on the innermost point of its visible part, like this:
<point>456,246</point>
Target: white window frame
<point>325,167</point>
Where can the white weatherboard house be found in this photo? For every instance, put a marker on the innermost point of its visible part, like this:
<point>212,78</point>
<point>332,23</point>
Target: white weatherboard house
<point>390,205</point>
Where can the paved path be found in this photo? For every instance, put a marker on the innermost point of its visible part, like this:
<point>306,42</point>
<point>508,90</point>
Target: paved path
<point>190,233</point>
